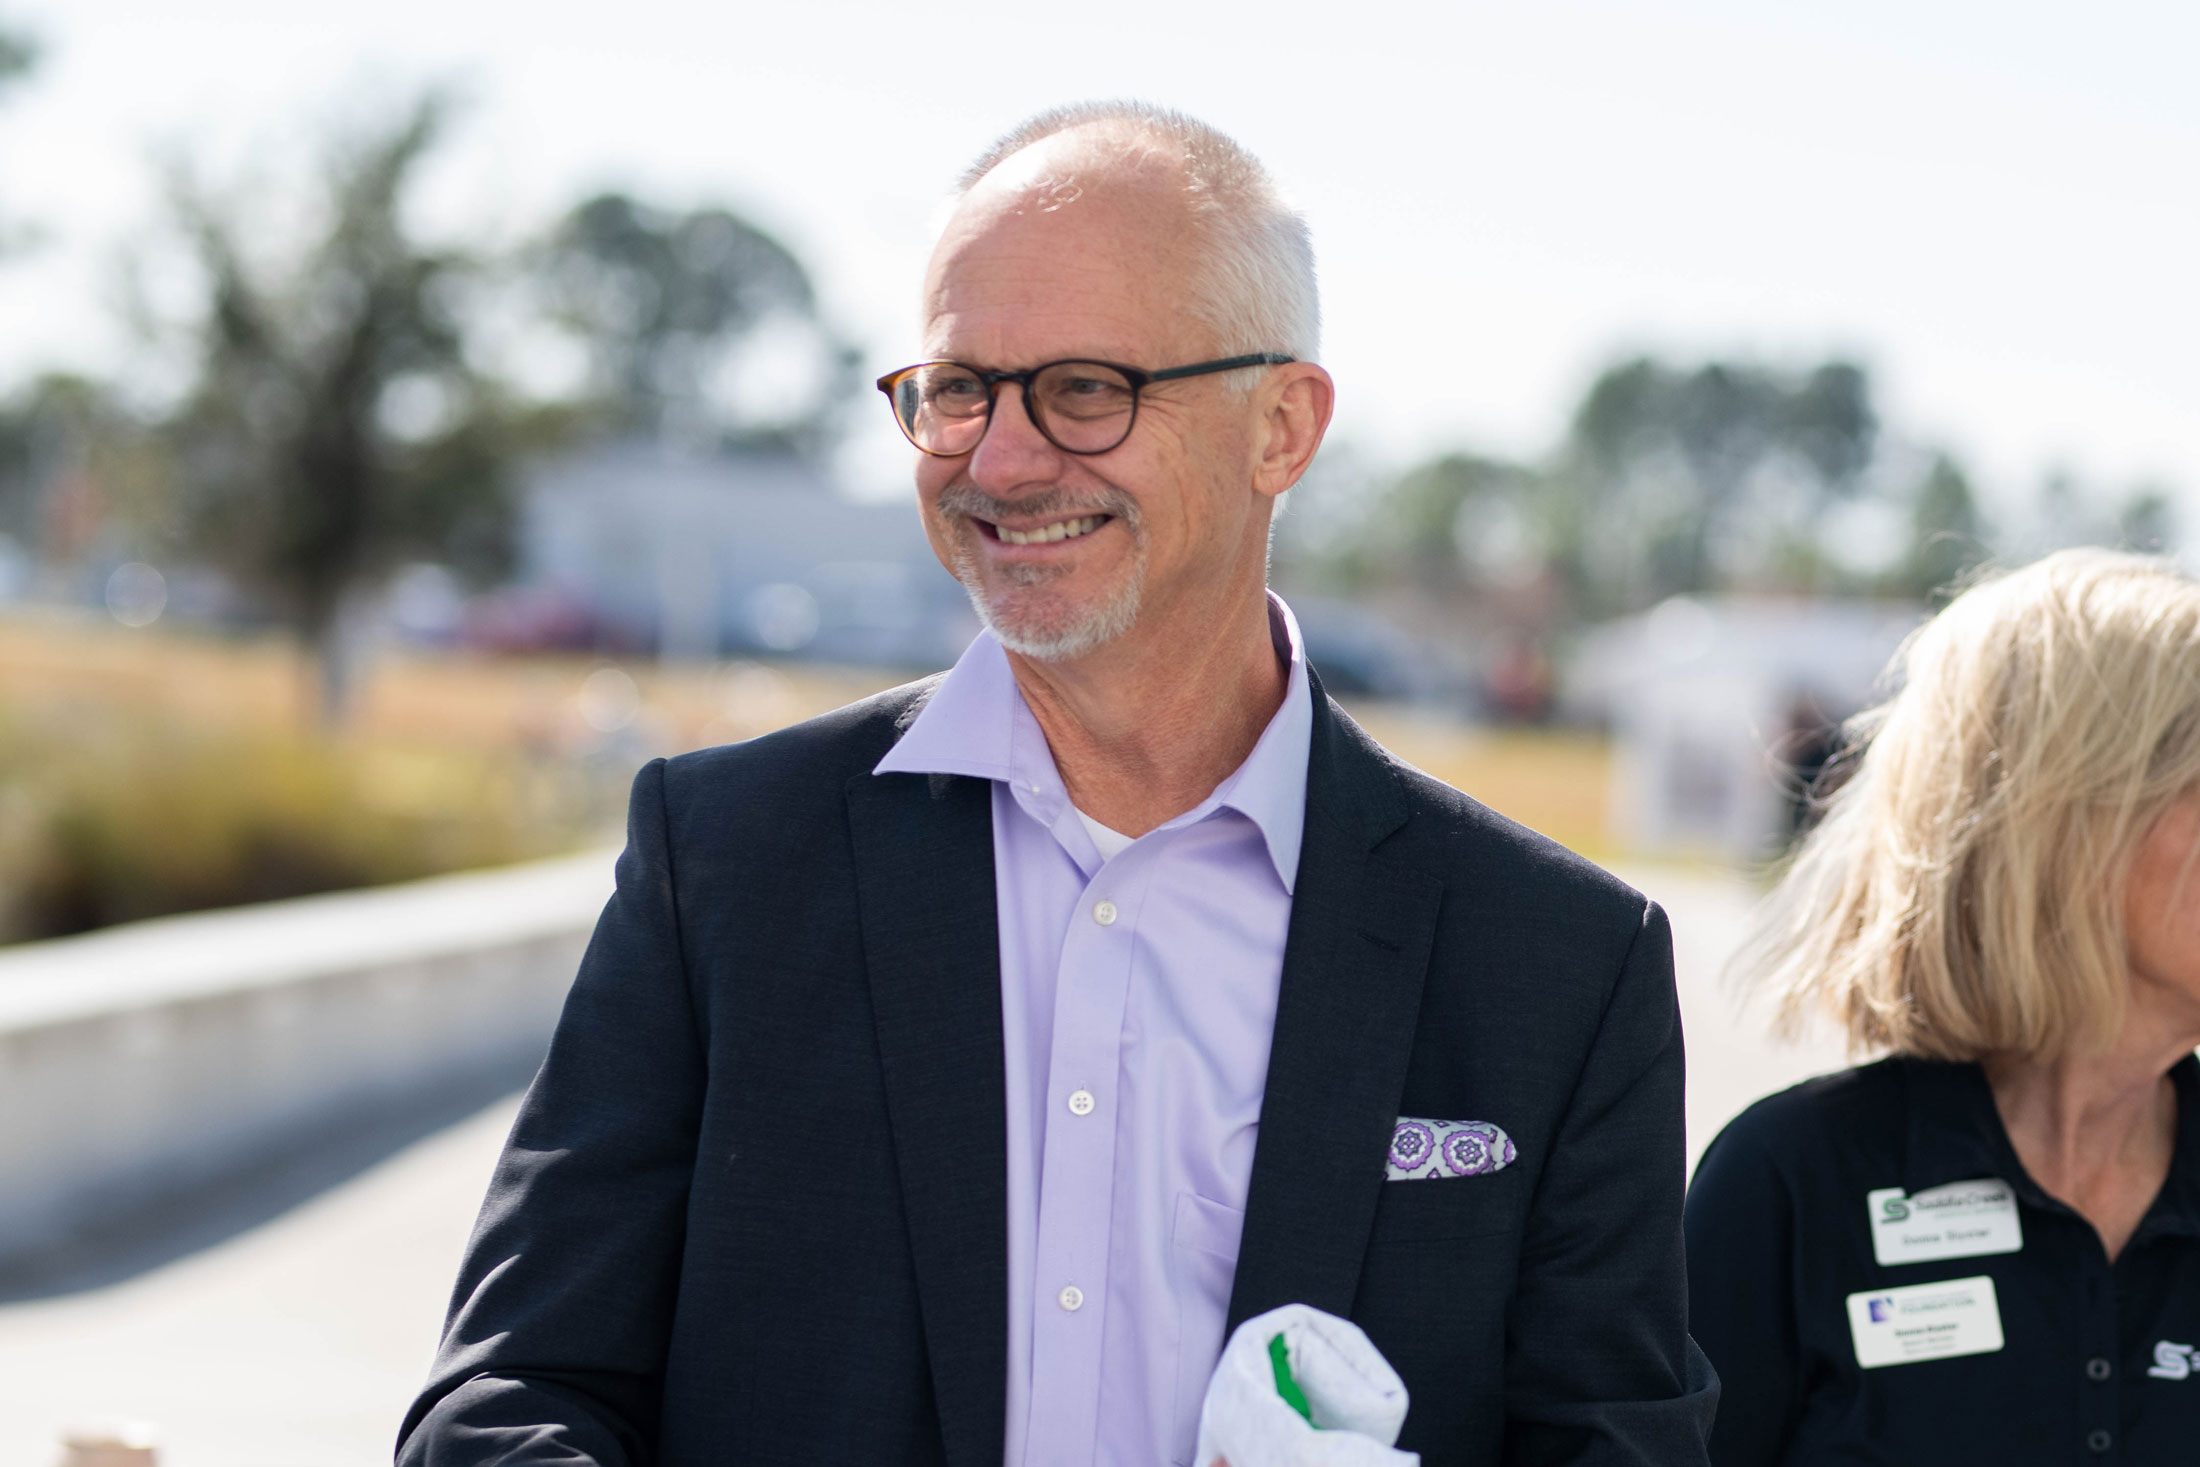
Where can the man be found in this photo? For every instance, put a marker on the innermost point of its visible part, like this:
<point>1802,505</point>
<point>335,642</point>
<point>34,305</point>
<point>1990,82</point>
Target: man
<point>948,1074</point>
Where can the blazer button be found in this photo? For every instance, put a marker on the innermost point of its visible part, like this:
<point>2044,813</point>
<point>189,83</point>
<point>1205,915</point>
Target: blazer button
<point>1080,1102</point>
<point>1104,914</point>
<point>2098,1441</point>
<point>2097,1369</point>
<point>1072,1298</point>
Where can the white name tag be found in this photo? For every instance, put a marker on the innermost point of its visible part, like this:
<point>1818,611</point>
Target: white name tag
<point>1960,1220</point>
<point>1925,1322</point>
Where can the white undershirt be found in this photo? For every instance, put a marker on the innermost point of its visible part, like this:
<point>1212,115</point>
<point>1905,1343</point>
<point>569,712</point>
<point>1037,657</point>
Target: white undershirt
<point>1107,840</point>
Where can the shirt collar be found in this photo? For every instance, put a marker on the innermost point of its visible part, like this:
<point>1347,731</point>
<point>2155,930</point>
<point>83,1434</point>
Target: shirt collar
<point>1956,1134</point>
<point>977,724</point>
<point>2177,1208</point>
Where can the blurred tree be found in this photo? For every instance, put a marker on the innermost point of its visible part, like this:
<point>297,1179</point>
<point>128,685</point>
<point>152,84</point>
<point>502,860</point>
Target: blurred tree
<point>664,305</point>
<point>1456,523</point>
<point>1947,533</point>
<point>334,425</point>
<point>2069,511</point>
<point>1321,524</point>
<point>2148,522</point>
<point>25,454</point>
<point>1683,480</point>
<point>1679,479</point>
<point>78,468</point>
<point>18,56</point>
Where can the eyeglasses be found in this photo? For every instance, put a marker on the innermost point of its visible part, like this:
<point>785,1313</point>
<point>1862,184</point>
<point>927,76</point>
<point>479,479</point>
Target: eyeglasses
<point>1082,407</point>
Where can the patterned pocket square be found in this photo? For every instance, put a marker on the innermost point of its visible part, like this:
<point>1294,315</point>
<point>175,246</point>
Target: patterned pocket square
<point>1428,1149</point>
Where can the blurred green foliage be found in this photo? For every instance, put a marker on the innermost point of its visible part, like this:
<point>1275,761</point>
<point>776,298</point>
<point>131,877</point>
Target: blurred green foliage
<point>342,394</point>
<point>1678,480</point>
<point>1675,479</point>
<point>18,54</point>
<point>1948,535</point>
<point>335,426</point>
<point>18,58</point>
<point>105,821</point>
<point>79,471</point>
<point>662,301</point>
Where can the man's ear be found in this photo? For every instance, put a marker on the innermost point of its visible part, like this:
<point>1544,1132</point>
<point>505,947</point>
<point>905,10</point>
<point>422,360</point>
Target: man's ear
<point>1295,404</point>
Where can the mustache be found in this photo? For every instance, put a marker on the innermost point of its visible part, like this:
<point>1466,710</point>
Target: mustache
<point>970,501</point>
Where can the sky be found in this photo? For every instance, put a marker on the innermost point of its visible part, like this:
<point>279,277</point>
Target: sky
<point>1991,205</point>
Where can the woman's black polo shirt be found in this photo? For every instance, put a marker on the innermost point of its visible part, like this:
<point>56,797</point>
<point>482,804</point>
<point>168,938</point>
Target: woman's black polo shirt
<point>2098,1362</point>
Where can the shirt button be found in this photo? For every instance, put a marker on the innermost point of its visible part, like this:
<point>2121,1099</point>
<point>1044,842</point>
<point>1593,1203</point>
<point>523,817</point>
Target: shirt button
<point>2098,1440</point>
<point>1080,1102</point>
<point>2097,1369</point>
<point>1072,1299</point>
<point>1104,914</point>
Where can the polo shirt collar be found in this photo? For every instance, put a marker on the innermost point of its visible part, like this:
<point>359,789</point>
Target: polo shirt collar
<point>1955,1135</point>
<point>2177,1208</point>
<point>976,723</point>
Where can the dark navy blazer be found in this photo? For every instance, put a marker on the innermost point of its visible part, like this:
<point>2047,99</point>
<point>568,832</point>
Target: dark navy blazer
<point>754,1208</point>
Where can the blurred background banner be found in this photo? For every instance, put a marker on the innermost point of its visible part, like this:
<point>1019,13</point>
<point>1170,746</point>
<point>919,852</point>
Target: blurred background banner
<point>415,416</point>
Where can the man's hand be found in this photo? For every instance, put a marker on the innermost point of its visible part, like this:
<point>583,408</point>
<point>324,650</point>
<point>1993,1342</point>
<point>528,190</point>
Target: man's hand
<point>1300,1388</point>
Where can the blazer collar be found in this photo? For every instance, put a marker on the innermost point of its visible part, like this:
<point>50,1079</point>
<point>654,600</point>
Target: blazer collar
<point>975,722</point>
<point>1362,923</point>
<point>923,848</point>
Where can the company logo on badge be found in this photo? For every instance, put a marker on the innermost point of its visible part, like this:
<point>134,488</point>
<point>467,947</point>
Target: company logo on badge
<point>1925,1322</point>
<point>1960,1220</point>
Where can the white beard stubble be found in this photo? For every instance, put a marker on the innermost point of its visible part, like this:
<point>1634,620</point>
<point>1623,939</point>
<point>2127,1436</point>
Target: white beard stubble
<point>1074,631</point>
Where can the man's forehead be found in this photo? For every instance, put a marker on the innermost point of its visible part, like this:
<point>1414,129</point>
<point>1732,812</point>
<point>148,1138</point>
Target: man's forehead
<point>1086,206</point>
<point>1081,241</point>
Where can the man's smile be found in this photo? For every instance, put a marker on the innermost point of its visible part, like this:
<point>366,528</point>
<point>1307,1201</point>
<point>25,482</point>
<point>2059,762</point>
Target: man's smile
<point>1046,532</point>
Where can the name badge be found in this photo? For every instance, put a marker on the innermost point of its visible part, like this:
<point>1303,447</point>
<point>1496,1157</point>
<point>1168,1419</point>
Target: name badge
<point>1925,1322</point>
<point>1960,1220</point>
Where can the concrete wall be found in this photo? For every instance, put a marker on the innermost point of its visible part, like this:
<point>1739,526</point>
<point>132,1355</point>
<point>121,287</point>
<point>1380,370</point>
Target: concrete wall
<point>153,1059</point>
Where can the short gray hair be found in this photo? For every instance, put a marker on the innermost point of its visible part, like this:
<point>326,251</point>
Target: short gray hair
<point>1259,292</point>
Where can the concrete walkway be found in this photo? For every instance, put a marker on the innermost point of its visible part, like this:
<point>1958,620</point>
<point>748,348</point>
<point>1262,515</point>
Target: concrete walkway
<point>299,1343</point>
<point>296,1344</point>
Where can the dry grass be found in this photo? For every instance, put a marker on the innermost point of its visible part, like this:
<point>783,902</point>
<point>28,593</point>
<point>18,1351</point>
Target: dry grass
<point>147,772</point>
<point>1552,781</point>
<point>150,771</point>
<point>431,699</point>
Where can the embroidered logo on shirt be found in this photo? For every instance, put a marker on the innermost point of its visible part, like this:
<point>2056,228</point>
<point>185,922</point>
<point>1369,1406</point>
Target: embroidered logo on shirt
<point>1431,1149</point>
<point>2172,1361</point>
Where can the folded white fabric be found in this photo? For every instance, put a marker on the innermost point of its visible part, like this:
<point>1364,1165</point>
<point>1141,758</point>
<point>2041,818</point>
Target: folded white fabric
<point>1356,1400</point>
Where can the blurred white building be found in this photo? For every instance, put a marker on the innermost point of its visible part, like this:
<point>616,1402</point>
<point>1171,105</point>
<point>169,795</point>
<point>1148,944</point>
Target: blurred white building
<point>636,544</point>
<point>1710,700</point>
<point>699,555</point>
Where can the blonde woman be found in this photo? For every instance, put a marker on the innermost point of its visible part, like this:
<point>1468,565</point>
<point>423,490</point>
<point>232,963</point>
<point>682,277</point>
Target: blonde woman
<point>1984,1247</point>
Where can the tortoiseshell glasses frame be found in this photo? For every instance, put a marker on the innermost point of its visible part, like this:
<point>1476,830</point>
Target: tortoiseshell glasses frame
<point>1081,405</point>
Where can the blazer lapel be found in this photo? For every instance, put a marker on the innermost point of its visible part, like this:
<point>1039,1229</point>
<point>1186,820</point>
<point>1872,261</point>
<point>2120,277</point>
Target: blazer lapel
<point>924,881</point>
<point>1353,967</point>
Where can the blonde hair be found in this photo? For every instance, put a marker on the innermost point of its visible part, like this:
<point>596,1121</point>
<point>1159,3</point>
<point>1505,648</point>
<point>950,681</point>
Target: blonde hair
<point>1963,895</point>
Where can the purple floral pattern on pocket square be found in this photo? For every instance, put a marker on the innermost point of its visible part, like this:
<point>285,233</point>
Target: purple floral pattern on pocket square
<point>1432,1149</point>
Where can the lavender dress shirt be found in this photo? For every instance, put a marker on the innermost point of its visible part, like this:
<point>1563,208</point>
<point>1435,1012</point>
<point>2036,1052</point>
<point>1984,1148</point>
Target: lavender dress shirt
<point>1138,997</point>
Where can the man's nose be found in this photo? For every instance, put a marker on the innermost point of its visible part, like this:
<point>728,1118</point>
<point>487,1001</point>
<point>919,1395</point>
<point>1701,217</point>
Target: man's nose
<point>1013,451</point>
